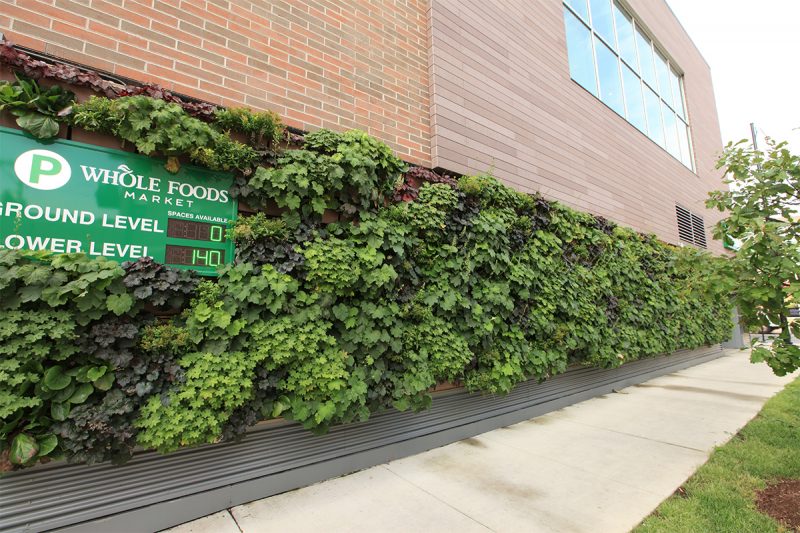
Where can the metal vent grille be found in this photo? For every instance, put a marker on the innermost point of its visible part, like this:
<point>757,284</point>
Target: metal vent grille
<point>699,228</point>
<point>684,224</point>
<point>691,227</point>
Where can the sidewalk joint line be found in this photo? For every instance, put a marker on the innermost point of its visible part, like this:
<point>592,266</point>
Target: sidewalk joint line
<point>435,497</point>
<point>233,516</point>
<point>641,437</point>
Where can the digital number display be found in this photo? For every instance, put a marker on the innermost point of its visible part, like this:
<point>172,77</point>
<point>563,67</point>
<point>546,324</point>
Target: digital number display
<point>194,256</point>
<point>196,231</point>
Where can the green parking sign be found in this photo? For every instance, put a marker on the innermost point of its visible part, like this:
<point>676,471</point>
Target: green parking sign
<point>65,196</point>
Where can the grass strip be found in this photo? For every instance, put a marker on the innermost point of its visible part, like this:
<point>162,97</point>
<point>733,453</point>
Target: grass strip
<point>720,496</point>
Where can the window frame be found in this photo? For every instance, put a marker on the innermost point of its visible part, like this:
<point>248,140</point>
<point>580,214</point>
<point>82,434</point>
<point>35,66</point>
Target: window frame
<point>681,116</point>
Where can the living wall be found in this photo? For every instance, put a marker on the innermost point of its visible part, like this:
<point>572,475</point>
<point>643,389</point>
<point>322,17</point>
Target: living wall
<point>422,279</point>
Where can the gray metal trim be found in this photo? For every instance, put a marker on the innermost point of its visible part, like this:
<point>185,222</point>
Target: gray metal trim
<point>153,492</point>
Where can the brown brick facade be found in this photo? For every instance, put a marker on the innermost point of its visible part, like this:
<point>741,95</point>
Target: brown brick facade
<point>318,63</point>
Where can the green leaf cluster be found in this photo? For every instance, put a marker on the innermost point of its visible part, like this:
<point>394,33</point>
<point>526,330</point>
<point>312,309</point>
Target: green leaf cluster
<point>761,223</point>
<point>347,172</point>
<point>158,127</point>
<point>38,110</point>
<point>262,128</point>
<point>477,284</point>
<point>46,302</point>
<point>468,281</point>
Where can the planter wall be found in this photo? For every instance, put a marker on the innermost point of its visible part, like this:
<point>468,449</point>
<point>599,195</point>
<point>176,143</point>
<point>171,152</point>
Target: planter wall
<point>154,492</point>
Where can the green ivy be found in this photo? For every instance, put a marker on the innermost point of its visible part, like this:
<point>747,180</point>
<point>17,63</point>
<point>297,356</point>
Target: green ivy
<point>263,128</point>
<point>38,110</point>
<point>46,302</point>
<point>468,281</point>
<point>159,127</point>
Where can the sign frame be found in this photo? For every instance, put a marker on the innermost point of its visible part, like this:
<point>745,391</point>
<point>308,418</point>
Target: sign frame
<point>66,196</point>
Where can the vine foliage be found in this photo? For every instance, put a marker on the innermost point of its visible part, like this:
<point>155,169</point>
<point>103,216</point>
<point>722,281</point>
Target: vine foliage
<point>422,279</point>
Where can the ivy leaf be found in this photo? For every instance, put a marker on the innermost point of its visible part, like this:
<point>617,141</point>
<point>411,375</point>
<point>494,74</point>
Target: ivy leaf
<point>319,205</point>
<point>55,378</point>
<point>38,125</point>
<point>30,293</point>
<point>47,444</point>
<point>60,411</point>
<point>325,411</point>
<point>82,393</point>
<point>292,201</point>
<point>23,449</point>
<point>119,304</point>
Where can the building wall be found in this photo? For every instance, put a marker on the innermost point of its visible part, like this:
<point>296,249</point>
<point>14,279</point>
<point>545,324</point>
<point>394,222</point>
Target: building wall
<point>319,63</point>
<point>503,101</point>
<point>466,85</point>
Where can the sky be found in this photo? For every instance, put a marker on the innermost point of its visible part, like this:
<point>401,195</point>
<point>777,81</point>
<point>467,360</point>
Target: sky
<point>753,49</point>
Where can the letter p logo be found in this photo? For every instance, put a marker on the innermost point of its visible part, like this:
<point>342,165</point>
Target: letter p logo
<point>42,169</point>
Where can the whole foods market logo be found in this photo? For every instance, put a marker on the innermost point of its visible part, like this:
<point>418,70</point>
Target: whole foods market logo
<point>42,169</point>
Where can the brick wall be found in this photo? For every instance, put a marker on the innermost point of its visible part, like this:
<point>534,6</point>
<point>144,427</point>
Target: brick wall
<point>336,64</point>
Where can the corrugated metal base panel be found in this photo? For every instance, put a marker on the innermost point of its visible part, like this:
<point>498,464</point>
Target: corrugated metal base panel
<point>153,492</point>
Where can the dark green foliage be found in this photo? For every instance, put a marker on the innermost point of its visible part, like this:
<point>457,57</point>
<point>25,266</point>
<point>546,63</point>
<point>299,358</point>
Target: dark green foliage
<point>38,111</point>
<point>226,155</point>
<point>151,125</point>
<point>481,285</point>
<point>78,361</point>
<point>159,285</point>
<point>262,240</point>
<point>99,431</point>
<point>165,128</point>
<point>468,281</point>
<point>46,303</point>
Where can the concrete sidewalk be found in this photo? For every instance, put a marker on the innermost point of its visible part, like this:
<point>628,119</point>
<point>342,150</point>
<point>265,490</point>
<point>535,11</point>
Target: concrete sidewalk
<point>599,466</point>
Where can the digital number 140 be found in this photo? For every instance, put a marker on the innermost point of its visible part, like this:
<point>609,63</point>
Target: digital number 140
<point>211,258</point>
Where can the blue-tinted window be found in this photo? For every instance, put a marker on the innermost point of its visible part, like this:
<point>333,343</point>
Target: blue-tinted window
<point>611,57</point>
<point>626,38</point>
<point>580,7</point>
<point>647,66</point>
<point>579,48</point>
<point>686,147</point>
<point>677,93</point>
<point>655,128</point>
<point>608,72</point>
<point>671,131</point>
<point>634,101</point>
<point>664,85</point>
<point>603,21</point>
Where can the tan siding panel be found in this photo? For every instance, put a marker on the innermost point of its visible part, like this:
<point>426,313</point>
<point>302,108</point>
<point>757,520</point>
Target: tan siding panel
<point>502,99</point>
